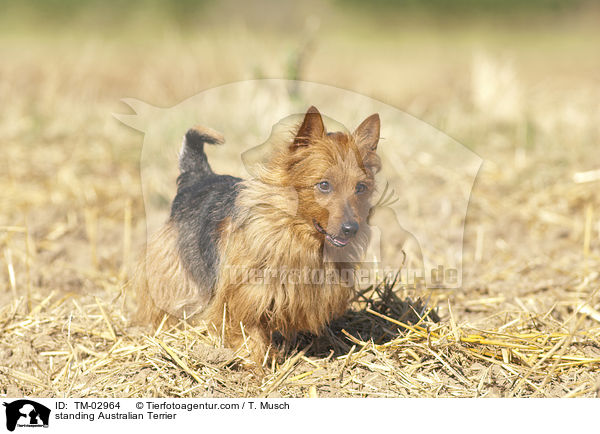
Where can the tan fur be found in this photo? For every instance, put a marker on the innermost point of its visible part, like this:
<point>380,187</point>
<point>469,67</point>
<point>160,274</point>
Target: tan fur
<point>266,237</point>
<point>162,284</point>
<point>273,231</point>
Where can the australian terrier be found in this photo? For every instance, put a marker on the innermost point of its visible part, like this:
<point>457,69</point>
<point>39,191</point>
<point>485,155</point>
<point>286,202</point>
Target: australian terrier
<point>271,254</point>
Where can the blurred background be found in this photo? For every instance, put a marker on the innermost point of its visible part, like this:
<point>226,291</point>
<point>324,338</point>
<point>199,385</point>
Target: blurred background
<point>516,82</point>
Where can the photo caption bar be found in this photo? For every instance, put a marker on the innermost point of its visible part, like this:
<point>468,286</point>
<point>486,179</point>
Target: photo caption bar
<point>76,415</point>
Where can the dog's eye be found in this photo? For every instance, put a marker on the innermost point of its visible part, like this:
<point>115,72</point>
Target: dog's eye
<point>324,186</point>
<point>361,187</point>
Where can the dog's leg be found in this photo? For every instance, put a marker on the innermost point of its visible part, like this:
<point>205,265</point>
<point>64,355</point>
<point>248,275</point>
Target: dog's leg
<point>255,340</point>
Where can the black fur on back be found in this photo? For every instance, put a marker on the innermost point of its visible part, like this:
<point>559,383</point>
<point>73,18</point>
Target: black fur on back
<point>204,199</point>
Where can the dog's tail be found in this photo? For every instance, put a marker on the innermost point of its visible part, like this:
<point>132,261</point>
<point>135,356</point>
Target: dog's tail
<point>192,158</point>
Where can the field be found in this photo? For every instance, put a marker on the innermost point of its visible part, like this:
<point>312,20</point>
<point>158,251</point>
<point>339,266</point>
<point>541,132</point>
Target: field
<point>524,97</point>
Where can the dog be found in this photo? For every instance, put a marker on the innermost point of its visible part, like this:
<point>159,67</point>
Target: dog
<point>229,249</point>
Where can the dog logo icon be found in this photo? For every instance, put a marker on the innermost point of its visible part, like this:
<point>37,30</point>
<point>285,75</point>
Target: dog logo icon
<point>418,219</point>
<point>26,413</point>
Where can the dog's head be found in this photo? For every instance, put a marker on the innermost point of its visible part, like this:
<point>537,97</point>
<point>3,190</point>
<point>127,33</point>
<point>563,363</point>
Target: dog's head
<point>333,173</point>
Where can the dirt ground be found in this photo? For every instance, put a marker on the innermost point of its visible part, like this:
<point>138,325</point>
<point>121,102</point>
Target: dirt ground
<point>525,322</point>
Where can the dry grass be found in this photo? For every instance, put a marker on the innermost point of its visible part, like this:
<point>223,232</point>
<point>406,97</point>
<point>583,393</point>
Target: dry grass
<point>525,322</point>
<point>80,346</point>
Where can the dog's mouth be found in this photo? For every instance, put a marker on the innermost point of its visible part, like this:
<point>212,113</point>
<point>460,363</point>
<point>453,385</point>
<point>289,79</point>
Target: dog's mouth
<point>333,240</point>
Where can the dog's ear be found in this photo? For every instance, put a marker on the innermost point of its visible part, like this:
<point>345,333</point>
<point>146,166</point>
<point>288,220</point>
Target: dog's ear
<point>366,134</point>
<point>312,127</point>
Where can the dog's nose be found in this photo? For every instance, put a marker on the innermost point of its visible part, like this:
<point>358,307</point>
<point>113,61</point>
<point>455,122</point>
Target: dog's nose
<point>349,229</point>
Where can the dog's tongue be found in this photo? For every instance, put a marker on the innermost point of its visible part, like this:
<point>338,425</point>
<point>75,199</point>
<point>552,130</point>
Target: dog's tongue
<point>336,241</point>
